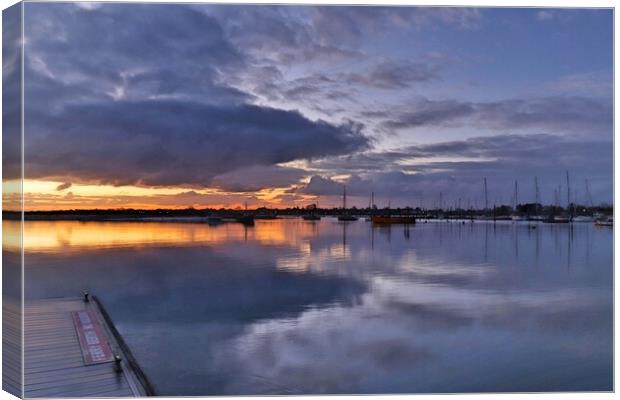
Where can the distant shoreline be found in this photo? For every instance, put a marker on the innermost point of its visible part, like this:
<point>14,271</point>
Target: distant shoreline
<point>204,215</point>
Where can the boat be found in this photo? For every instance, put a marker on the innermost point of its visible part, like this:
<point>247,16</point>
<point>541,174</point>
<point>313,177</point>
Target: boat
<point>264,213</point>
<point>392,219</point>
<point>265,216</point>
<point>605,221</point>
<point>245,219</point>
<point>557,219</point>
<point>345,217</point>
<point>214,220</point>
<point>311,217</point>
<point>583,218</point>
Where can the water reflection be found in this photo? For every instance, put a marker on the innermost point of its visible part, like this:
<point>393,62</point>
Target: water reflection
<point>293,306</point>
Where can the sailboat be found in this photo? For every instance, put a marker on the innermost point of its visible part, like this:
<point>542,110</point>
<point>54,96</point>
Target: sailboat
<point>371,205</point>
<point>345,217</point>
<point>245,218</point>
<point>536,217</point>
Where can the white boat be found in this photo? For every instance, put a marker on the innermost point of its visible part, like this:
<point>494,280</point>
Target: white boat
<point>605,221</point>
<point>583,218</point>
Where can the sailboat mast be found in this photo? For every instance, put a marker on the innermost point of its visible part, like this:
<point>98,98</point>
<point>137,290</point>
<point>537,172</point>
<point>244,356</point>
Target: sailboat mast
<point>516,194</point>
<point>486,195</point>
<point>567,190</point>
<point>588,195</point>
<point>344,197</point>
<point>537,193</point>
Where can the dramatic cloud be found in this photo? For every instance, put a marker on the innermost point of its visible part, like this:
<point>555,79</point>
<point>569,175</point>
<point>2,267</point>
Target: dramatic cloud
<point>279,34</point>
<point>256,98</point>
<point>258,177</point>
<point>131,94</point>
<point>457,168</point>
<point>567,114</point>
<point>121,51</point>
<point>11,93</point>
<point>167,143</point>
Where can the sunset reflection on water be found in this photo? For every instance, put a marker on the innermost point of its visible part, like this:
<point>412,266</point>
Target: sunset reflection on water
<point>75,235</point>
<point>293,306</point>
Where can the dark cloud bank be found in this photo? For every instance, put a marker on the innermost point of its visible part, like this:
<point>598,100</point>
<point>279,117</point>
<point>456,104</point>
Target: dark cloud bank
<point>128,94</point>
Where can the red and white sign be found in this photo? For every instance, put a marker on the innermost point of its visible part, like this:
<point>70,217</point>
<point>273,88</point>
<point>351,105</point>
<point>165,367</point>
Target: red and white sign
<point>95,347</point>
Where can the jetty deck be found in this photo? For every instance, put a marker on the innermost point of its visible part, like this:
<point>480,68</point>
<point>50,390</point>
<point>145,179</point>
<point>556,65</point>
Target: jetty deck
<point>56,362</point>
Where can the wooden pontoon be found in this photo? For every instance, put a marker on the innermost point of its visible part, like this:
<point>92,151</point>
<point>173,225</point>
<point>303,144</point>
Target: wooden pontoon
<point>61,361</point>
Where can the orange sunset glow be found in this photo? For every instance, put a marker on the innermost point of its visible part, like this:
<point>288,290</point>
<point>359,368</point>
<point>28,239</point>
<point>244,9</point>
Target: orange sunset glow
<point>42,195</point>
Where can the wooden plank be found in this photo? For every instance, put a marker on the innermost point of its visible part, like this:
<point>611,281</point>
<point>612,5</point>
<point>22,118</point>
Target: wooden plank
<point>42,347</point>
<point>115,380</point>
<point>67,382</point>
<point>82,390</point>
<point>59,352</point>
<point>53,359</point>
<point>54,375</point>
<point>51,369</point>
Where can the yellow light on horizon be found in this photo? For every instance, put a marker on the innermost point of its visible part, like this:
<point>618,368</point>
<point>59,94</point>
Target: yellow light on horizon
<point>43,195</point>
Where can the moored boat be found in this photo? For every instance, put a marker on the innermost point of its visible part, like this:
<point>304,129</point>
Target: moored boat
<point>345,217</point>
<point>392,219</point>
<point>606,221</point>
<point>265,216</point>
<point>583,218</point>
<point>557,219</point>
<point>245,219</point>
<point>214,220</point>
<point>311,217</point>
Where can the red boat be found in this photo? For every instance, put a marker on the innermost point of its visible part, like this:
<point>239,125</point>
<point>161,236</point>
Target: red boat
<point>392,219</point>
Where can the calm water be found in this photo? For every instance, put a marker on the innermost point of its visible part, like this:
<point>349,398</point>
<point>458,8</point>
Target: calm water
<point>292,306</point>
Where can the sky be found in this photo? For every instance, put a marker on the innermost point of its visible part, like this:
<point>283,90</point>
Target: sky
<point>173,105</point>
